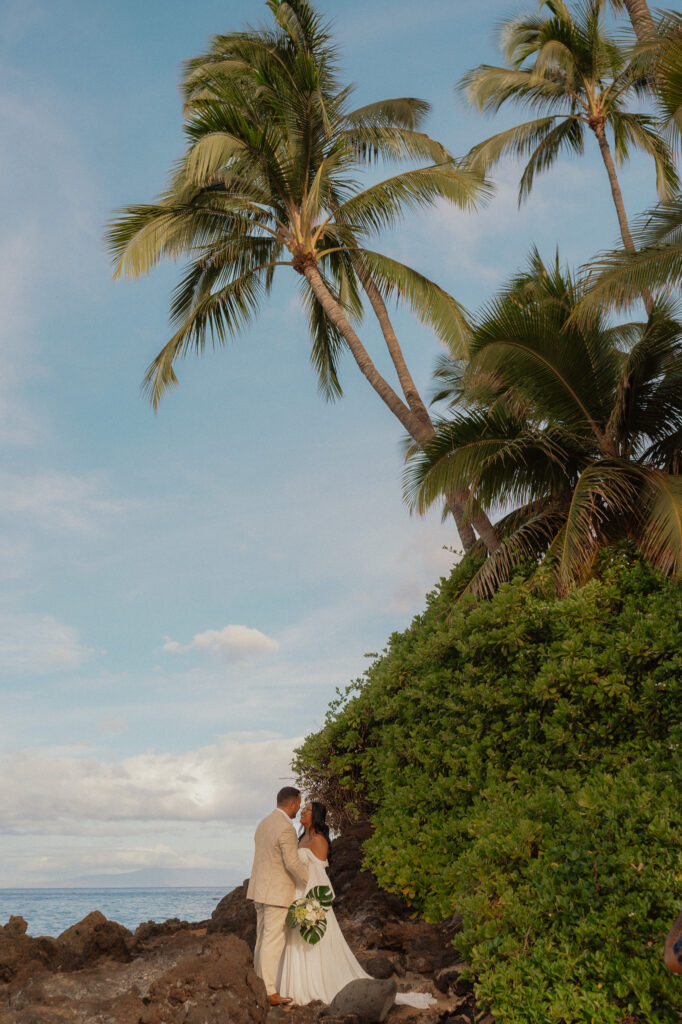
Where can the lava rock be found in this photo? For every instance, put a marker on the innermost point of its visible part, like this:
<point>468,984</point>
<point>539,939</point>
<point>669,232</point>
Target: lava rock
<point>235,915</point>
<point>21,955</point>
<point>220,985</point>
<point>15,927</point>
<point>92,938</point>
<point>150,930</point>
<point>378,966</point>
<point>365,997</point>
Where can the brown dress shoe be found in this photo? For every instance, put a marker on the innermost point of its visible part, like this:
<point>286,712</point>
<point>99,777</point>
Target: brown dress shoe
<point>277,1000</point>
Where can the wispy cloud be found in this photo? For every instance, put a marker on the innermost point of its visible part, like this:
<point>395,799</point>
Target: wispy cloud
<point>55,501</point>
<point>34,644</point>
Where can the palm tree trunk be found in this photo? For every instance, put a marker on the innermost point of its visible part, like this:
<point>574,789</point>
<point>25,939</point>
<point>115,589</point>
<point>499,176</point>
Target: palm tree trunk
<point>419,427</point>
<point>642,20</point>
<point>599,130</point>
<point>455,501</point>
<point>407,384</point>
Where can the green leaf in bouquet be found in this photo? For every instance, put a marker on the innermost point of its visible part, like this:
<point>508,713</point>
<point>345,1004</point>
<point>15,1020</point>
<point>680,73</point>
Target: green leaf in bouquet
<point>321,893</point>
<point>314,933</point>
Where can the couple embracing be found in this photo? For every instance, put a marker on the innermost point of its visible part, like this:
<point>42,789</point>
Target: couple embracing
<point>285,867</point>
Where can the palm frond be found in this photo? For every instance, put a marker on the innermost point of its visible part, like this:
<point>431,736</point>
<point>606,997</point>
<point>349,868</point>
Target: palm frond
<point>380,205</point>
<point>403,112</point>
<point>431,304</point>
<point>662,521</point>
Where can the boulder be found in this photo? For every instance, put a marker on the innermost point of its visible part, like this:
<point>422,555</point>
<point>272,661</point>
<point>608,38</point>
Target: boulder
<point>365,998</point>
<point>20,954</point>
<point>15,927</point>
<point>220,985</point>
<point>377,965</point>
<point>235,915</point>
<point>92,938</point>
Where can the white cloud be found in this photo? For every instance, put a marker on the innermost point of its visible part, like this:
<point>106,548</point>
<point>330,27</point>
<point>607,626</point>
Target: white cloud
<point>235,778</point>
<point>35,644</point>
<point>233,643</point>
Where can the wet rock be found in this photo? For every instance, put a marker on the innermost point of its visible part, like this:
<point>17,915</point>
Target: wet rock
<point>92,938</point>
<point>365,998</point>
<point>235,915</point>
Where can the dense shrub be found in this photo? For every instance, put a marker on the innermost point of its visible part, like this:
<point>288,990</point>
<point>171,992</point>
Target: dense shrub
<point>520,759</point>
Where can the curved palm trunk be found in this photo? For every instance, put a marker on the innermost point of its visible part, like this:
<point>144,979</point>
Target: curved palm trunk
<point>455,501</point>
<point>418,427</point>
<point>642,20</point>
<point>600,132</point>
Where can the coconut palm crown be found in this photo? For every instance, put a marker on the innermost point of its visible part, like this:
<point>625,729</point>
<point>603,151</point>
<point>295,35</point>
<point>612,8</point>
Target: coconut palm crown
<point>563,63</point>
<point>573,431</point>
<point>271,179</point>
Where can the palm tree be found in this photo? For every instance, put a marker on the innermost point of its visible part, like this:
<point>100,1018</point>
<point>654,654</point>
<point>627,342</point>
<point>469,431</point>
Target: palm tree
<point>641,17</point>
<point>577,427</point>
<point>567,66</point>
<point>617,278</point>
<point>620,276</point>
<point>269,180</point>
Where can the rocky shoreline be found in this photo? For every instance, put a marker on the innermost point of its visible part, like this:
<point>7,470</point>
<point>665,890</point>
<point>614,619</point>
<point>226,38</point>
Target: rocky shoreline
<point>98,972</point>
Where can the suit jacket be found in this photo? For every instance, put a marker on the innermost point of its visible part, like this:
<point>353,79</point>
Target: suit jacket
<point>276,864</point>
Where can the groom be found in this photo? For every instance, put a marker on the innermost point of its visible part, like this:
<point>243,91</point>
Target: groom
<point>272,886</point>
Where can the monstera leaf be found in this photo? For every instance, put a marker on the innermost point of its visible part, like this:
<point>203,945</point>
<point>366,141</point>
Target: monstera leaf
<point>321,893</point>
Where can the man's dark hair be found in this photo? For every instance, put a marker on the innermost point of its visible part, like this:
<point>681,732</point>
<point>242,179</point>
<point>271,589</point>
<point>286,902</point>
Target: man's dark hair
<point>286,794</point>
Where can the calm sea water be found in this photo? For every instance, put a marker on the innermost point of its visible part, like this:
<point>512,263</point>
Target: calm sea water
<point>50,911</point>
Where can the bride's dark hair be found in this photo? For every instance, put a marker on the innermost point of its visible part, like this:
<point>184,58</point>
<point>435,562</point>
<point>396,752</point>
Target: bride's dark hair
<point>318,824</point>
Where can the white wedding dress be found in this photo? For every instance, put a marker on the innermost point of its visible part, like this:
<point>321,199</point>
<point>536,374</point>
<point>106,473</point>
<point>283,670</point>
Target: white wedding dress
<point>310,972</point>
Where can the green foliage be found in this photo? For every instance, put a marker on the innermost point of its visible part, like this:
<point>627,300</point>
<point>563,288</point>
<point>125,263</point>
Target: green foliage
<point>520,758</point>
<point>564,64</point>
<point>574,428</point>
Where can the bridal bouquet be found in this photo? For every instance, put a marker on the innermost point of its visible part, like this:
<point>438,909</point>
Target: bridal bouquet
<point>309,913</point>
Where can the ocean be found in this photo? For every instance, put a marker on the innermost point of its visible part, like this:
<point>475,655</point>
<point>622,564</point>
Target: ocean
<point>50,911</point>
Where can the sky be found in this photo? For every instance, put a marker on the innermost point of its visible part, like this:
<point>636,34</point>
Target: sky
<point>182,593</point>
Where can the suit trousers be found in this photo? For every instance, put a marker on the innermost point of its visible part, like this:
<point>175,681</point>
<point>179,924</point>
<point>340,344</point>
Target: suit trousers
<point>270,939</point>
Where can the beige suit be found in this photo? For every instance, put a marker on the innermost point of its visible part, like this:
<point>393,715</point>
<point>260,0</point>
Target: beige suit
<point>276,870</point>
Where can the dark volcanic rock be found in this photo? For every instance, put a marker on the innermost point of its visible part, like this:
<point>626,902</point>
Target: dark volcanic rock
<point>185,978</point>
<point>365,998</point>
<point>155,929</point>
<point>235,915</point>
<point>218,986</point>
<point>20,954</point>
<point>378,966</point>
<point>92,938</point>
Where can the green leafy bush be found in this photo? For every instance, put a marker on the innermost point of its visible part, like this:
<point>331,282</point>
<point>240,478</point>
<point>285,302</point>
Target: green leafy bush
<point>520,759</point>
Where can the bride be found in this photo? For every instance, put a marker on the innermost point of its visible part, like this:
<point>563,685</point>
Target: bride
<point>307,972</point>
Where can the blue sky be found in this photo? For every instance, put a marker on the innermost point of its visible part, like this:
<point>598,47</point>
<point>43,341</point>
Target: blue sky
<point>182,593</point>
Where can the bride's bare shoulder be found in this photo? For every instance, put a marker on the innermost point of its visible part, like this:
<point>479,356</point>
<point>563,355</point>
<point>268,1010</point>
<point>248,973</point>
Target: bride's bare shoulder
<point>319,846</point>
